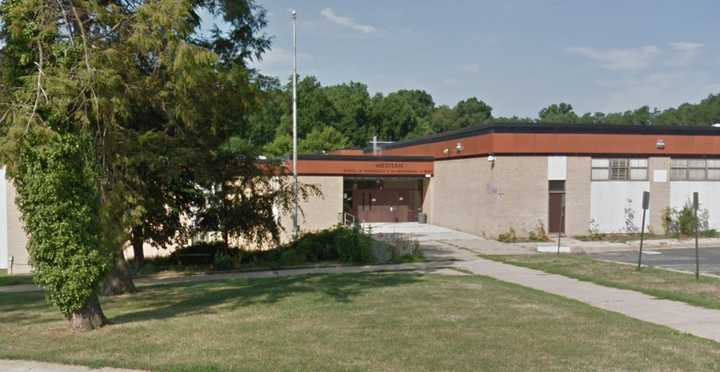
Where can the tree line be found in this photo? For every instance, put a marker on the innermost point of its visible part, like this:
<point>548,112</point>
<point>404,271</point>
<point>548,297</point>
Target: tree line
<point>347,115</point>
<point>118,119</point>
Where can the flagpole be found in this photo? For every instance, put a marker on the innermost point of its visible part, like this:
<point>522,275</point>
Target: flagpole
<point>296,226</point>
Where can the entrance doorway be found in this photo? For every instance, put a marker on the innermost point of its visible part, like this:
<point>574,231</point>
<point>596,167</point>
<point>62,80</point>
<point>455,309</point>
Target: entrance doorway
<point>384,200</point>
<point>556,218</point>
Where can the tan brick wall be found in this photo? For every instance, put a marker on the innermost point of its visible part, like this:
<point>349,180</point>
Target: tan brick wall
<point>428,198</point>
<point>470,195</point>
<point>16,237</point>
<point>659,193</point>
<point>319,212</point>
<point>577,195</point>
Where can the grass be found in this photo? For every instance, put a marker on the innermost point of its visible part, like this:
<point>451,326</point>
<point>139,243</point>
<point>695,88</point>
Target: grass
<point>621,237</point>
<point>402,322</point>
<point>655,282</point>
<point>6,280</point>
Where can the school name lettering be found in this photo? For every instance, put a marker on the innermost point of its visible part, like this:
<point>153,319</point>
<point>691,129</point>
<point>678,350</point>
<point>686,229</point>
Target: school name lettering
<point>390,165</point>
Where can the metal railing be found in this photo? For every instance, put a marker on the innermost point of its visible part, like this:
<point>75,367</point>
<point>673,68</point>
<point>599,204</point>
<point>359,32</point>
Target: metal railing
<point>346,219</point>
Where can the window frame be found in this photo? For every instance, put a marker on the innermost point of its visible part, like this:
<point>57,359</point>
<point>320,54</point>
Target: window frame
<point>627,169</point>
<point>688,167</point>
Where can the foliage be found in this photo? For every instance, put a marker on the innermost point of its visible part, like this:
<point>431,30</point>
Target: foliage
<point>223,261</point>
<point>539,234</point>
<point>401,248</point>
<point>153,97</point>
<point>508,237</point>
<point>681,222</point>
<point>594,232</point>
<point>241,199</point>
<point>57,188</point>
<point>352,245</point>
<point>321,140</point>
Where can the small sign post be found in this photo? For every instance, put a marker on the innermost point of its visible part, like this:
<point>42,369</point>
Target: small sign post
<point>696,206</point>
<point>645,207</point>
<point>562,223</point>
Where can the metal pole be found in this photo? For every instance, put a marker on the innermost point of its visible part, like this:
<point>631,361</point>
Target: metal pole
<point>562,222</point>
<point>696,204</point>
<point>642,238</point>
<point>296,227</point>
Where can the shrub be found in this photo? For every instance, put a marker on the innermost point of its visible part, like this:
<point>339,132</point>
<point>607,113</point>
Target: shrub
<point>292,257</point>
<point>353,246</point>
<point>201,253</point>
<point>539,234</point>
<point>403,249</point>
<point>682,222</point>
<point>223,261</point>
<point>508,237</point>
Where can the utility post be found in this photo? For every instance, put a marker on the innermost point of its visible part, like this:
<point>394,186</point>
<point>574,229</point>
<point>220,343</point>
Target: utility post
<point>645,206</point>
<point>696,206</point>
<point>296,226</point>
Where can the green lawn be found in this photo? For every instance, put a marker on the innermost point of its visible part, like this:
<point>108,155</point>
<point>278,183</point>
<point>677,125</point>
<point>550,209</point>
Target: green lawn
<point>6,279</point>
<point>656,282</point>
<point>383,322</point>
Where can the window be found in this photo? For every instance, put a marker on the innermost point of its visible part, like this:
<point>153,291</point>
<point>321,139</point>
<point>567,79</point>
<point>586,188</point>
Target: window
<point>619,169</point>
<point>695,170</point>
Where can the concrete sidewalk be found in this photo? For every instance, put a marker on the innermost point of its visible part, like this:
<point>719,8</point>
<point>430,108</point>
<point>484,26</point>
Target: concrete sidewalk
<point>602,246</point>
<point>27,366</point>
<point>432,267</point>
<point>680,316</point>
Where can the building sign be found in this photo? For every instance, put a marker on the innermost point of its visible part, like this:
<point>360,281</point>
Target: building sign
<point>365,167</point>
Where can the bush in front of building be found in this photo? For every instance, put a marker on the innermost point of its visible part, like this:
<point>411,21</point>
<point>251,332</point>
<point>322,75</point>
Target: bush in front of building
<point>508,237</point>
<point>681,222</point>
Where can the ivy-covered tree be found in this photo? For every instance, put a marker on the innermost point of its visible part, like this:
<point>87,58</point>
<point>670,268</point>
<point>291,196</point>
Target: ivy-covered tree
<point>146,94</point>
<point>57,183</point>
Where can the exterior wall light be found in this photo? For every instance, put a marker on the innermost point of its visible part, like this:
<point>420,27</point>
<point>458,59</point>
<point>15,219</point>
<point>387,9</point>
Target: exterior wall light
<point>660,144</point>
<point>446,151</point>
<point>459,147</point>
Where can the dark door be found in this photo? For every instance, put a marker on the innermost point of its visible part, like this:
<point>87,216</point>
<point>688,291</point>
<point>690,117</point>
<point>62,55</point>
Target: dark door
<point>556,218</point>
<point>384,205</point>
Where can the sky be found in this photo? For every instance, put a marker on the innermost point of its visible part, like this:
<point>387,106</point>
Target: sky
<point>517,56</point>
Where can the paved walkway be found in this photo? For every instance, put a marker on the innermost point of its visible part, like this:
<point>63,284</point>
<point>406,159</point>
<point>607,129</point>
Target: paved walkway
<point>464,249</point>
<point>436,267</point>
<point>677,315</point>
<point>27,366</point>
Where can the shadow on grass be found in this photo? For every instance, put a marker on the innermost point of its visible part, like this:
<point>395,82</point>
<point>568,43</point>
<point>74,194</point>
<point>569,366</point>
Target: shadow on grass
<point>167,301</point>
<point>172,300</point>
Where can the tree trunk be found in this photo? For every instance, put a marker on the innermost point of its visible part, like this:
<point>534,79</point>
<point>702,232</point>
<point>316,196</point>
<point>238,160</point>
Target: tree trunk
<point>89,317</point>
<point>138,252</point>
<point>119,281</point>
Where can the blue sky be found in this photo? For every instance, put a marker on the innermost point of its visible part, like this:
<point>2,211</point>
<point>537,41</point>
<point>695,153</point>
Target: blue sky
<point>518,56</point>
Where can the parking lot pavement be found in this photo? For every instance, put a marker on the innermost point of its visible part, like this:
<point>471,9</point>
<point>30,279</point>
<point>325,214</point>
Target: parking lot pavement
<point>677,259</point>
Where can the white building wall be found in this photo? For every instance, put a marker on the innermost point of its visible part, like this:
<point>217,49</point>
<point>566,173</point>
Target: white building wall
<point>609,201</point>
<point>709,193</point>
<point>557,168</point>
<point>3,221</point>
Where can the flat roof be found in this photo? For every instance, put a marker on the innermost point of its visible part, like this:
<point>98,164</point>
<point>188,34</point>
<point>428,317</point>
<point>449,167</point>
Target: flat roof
<point>558,128</point>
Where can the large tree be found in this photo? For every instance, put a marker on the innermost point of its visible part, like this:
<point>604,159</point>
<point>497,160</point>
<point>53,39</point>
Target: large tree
<point>143,93</point>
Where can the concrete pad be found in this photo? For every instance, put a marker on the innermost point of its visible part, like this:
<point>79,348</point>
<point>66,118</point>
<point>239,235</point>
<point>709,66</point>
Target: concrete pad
<point>28,366</point>
<point>552,249</point>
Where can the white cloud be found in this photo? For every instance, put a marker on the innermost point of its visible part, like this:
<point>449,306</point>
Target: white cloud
<point>686,46</point>
<point>472,68</point>
<point>330,15</point>
<point>628,59</point>
<point>662,90</point>
<point>685,53</point>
